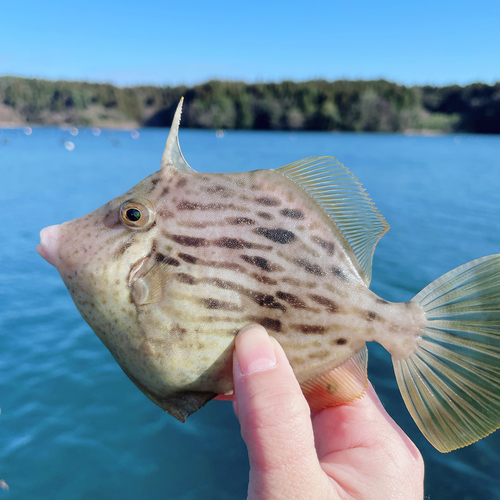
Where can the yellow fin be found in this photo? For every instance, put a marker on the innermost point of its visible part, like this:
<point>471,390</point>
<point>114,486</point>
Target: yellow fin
<point>345,201</point>
<point>148,289</point>
<point>345,383</point>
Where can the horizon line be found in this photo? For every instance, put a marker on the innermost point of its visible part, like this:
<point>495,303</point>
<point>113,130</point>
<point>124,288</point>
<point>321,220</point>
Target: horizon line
<point>247,82</point>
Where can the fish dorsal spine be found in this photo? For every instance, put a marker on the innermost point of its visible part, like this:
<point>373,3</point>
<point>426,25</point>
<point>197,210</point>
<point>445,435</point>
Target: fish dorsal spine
<point>172,154</point>
<point>345,201</point>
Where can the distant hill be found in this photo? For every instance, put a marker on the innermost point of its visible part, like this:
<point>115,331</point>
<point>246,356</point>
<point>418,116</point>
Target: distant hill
<point>343,105</point>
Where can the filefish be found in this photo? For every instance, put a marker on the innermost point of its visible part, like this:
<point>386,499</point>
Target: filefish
<point>169,272</point>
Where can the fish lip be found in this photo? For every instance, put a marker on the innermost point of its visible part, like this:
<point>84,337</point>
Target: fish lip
<point>48,246</point>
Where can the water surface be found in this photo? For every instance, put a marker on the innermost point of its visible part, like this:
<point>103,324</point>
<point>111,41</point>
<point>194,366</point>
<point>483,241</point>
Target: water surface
<point>74,427</point>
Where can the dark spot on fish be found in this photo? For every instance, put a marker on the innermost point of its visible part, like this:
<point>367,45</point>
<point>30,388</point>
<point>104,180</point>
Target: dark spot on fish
<point>299,283</point>
<point>191,259</point>
<point>341,341</point>
<point>338,272</point>
<point>151,226</point>
<point>327,245</point>
<point>196,225</point>
<point>223,265</point>
<point>371,316</point>
<point>188,205</point>
<point>164,192</point>
<point>177,332</point>
<point>237,243</point>
<point>265,215</point>
<point>268,202</point>
<point>318,355</point>
<point>270,324</point>
<point>264,264</point>
<point>262,299</point>
<point>123,249</point>
<point>293,300</point>
<point>154,246</point>
<point>331,306</point>
<point>217,190</point>
<point>264,279</point>
<point>282,236</point>
<point>219,304</point>
<point>189,241</point>
<point>164,213</point>
<point>309,267</point>
<point>233,243</point>
<point>381,301</point>
<point>185,278</point>
<point>240,221</point>
<point>332,388</point>
<point>154,182</point>
<point>293,214</point>
<point>265,300</point>
<point>310,329</point>
<point>182,182</point>
<point>112,220</point>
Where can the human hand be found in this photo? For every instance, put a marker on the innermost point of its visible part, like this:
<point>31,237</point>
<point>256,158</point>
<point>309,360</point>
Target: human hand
<point>354,451</point>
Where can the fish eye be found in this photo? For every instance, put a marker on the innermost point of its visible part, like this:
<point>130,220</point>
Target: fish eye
<point>133,215</point>
<point>137,213</point>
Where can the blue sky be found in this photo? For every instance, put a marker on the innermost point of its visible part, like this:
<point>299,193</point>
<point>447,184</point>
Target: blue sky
<point>189,41</point>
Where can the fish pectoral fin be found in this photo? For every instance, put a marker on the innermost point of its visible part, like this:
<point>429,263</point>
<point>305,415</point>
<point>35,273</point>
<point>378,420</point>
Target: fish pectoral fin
<point>345,383</point>
<point>148,289</point>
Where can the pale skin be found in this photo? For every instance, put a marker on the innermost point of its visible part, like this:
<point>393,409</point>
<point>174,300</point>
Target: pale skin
<point>351,452</point>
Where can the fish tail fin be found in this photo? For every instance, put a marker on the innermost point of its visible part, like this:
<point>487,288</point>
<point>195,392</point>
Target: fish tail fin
<point>451,383</point>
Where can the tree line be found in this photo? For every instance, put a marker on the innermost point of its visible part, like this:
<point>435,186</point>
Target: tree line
<point>342,105</point>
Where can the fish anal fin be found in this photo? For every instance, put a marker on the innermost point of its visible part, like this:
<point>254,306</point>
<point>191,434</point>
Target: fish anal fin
<point>148,289</point>
<point>345,383</point>
<point>345,201</point>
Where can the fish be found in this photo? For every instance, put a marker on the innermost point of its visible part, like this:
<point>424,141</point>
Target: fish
<point>168,273</point>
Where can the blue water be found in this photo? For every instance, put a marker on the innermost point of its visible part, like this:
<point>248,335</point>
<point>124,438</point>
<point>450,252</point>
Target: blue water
<point>73,427</point>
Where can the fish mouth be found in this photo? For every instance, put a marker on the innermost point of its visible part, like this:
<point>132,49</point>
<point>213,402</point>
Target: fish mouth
<point>49,245</point>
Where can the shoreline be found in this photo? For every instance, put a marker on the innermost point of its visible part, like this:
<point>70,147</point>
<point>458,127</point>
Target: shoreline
<point>316,105</point>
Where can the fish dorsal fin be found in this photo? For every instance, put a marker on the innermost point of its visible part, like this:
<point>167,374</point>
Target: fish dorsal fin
<point>345,201</point>
<point>172,154</point>
<point>345,383</point>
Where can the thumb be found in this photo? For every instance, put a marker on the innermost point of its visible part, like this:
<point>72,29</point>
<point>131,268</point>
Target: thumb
<point>275,419</point>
